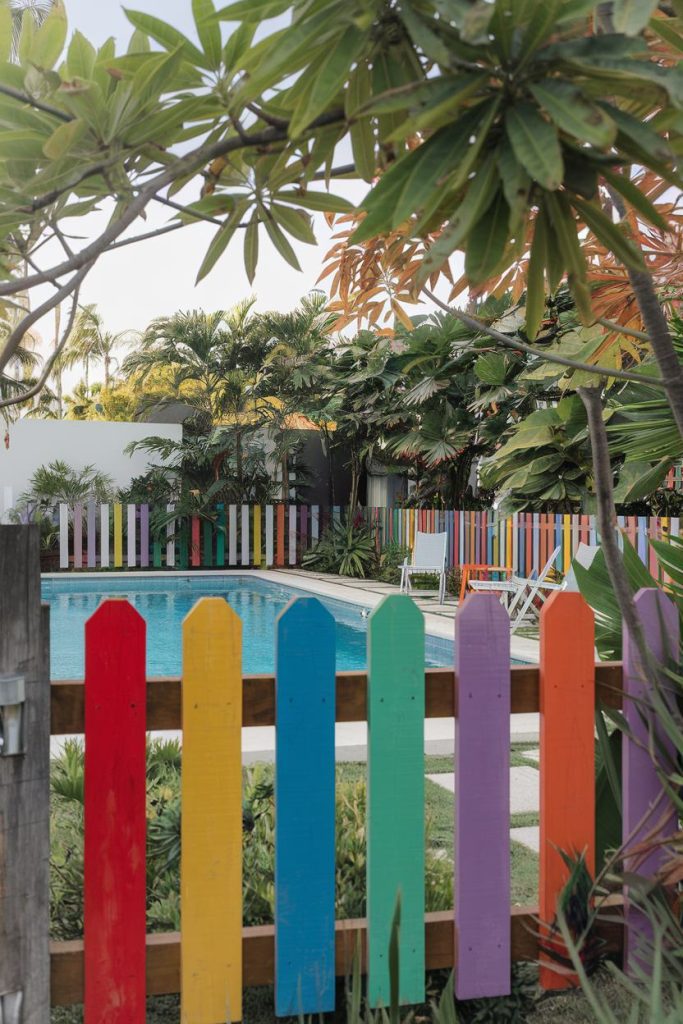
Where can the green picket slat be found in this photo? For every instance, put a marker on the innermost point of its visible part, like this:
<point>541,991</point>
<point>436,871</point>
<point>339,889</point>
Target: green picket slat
<point>396,855</point>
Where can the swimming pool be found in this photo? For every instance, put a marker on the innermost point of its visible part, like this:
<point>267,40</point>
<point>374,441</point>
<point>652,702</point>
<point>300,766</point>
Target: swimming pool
<point>164,603</point>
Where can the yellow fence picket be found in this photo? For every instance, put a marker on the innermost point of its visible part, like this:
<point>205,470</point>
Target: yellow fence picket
<point>211,858</point>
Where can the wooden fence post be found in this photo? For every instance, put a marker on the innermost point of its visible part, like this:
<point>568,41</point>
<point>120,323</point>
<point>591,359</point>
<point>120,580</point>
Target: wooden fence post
<point>304,809</point>
<point>24,782</point>
<point>395,830</point>
<point>647,811</point>
<point>482,798</point>
<point>567,761</point>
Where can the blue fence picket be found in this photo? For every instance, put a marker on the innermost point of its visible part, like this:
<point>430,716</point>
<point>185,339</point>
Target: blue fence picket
<point>304,809</point>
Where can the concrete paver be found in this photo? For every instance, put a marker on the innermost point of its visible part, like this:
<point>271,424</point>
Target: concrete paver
<point>524,788</point>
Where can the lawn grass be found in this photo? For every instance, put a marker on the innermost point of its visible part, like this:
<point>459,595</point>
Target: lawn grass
<point>524,819</point>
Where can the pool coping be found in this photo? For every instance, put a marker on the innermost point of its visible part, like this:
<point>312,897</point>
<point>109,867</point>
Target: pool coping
<point>440,626</point>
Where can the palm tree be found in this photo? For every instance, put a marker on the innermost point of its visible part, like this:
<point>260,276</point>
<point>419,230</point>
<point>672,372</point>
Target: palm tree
<point>81,403</point>
<point>59,482</point>
<point>17,378</point>
<point>36,9</point>
<point>215,359</point>
<point>298,342</point>
<point>90,344</point>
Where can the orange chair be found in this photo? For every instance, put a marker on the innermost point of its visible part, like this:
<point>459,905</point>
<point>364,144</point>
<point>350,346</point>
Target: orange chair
<point>471,571</point>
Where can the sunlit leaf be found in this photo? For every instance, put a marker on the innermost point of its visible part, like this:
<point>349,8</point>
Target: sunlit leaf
<point>221,240</point>
<point>251,247</point>
<point>208,30</point>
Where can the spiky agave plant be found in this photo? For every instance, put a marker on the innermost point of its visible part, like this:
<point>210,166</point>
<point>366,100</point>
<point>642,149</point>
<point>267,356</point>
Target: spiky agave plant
<point>575,907</point>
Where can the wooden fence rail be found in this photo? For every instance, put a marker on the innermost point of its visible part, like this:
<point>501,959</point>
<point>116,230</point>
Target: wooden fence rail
<point>214,957</point>
<point>246,536</point>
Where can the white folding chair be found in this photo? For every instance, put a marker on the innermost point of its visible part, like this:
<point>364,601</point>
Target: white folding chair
<point>429,556</point>
<point>518,593</point>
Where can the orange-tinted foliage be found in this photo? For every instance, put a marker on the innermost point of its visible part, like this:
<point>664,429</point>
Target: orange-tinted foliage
<point>372,282</point>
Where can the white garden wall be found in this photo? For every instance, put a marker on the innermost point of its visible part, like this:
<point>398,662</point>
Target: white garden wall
<point>30,443</point>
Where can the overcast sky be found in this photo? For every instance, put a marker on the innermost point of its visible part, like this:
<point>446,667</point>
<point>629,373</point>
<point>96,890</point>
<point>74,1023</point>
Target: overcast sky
<point>156,277</point>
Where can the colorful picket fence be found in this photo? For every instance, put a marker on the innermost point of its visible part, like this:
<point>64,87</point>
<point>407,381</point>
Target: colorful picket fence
<point>125,537</point>
<point>120,536</point>
<point>217,956</point>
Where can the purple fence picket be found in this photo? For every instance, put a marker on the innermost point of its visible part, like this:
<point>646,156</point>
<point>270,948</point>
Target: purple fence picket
<point>647,811</point>
<point>482,798</point>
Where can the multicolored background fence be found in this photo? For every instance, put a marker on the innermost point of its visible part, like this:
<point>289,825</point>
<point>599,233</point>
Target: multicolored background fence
<point>308,946</point>
<point>125,536</point>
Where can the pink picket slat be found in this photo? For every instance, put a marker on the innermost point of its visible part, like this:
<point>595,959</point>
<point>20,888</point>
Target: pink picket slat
<point>92,536</point>
<point>195,552</point>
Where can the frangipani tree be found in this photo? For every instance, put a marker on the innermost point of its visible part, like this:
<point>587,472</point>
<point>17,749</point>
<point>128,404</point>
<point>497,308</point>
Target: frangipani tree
<point>496,125</point>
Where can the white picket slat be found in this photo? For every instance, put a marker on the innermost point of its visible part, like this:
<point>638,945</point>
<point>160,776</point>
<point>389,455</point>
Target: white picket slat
<point>63,536</point>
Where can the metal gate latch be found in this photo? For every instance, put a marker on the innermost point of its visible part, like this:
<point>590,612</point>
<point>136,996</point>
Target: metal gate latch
<point>12,698</point>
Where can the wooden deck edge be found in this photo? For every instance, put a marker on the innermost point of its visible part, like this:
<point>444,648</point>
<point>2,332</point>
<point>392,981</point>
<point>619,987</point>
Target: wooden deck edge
<point>258,951</point>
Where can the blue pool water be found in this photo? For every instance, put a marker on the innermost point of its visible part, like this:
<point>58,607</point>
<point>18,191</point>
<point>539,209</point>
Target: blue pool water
<point>164,603</point>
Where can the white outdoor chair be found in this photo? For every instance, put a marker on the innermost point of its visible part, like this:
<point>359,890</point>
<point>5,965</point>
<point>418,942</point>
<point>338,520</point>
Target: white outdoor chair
<point>429,556</point>
<point>518,593</point>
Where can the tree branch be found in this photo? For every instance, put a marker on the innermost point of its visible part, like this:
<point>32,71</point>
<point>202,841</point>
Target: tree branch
<point>23,97</point>
<point>16,336</point>
<point>189,213</point>
<point>156,233</point>
<point>607,519</point>
<point>40,383</point>
<point>191,161</point>
<point>336,172</point>
<point>620,329</point>
<point>271,119</point>
<point>550,357</point>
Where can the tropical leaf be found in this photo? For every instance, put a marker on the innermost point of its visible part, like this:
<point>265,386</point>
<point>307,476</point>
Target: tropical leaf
<point>251,247</point>
<point>209,31</point>
<point>573,113</point>
<point>221,239</point>
<point>487,241</point>
<point>536,145</point>
<point>167,36</point>
<point>631,16</point>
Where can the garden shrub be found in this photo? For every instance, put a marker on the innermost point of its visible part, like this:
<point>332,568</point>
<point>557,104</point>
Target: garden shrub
<point>163,845</point>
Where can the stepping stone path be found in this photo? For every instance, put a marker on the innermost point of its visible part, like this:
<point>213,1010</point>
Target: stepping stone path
<point>524,797</point>
<point>527,836</point>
